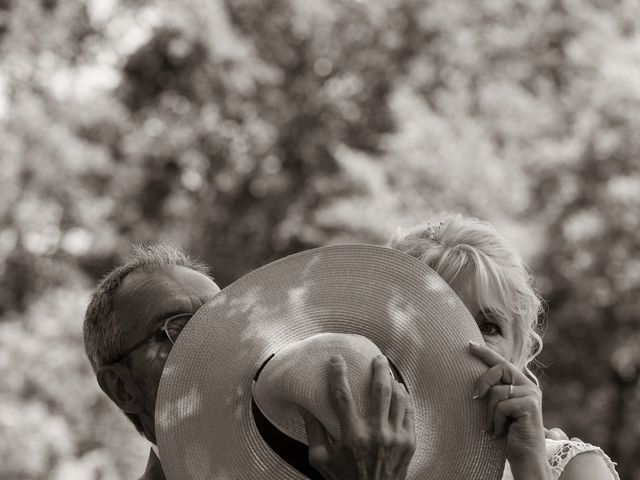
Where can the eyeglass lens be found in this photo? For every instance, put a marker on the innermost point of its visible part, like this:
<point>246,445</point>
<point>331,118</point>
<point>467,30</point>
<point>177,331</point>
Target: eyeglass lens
<point>174,327</point>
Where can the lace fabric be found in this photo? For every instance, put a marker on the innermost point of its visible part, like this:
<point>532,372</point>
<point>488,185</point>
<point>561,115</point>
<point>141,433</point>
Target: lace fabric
<point>560,452</point>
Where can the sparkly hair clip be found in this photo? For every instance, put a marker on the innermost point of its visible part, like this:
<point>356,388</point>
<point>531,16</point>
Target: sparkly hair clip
<point>432,230</point>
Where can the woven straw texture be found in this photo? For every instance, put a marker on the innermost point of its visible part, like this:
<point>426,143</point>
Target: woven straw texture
<point>204,424</point>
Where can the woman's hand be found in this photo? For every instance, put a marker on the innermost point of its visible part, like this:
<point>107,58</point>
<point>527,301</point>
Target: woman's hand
<point>558,434</point>
<point>377,447</point>
<point>514,408</point>
<point>555,434</point>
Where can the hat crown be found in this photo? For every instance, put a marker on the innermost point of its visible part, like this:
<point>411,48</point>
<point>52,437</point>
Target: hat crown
<point>296,378</point>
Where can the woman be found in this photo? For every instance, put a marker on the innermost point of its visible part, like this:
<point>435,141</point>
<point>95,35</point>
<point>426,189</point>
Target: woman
<point>493,282</point>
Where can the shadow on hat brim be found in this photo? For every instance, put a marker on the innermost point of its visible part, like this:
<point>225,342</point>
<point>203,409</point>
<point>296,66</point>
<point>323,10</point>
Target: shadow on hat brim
<point>204,424</point>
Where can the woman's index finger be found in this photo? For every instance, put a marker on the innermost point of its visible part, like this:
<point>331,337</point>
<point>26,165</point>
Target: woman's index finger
<point>485,354</point>
<point>492,358</point>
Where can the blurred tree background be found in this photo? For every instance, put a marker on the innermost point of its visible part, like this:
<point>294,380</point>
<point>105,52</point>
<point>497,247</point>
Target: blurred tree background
<point>249,130</point>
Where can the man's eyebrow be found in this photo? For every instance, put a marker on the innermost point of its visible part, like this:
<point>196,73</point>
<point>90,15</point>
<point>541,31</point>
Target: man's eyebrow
<point>161,317</point>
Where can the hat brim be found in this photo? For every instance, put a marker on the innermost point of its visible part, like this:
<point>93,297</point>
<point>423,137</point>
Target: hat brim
<point>204,424</point>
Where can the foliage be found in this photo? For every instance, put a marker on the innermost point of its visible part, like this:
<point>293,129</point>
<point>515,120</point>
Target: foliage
<point>250,130</point>
<point>54,423</point>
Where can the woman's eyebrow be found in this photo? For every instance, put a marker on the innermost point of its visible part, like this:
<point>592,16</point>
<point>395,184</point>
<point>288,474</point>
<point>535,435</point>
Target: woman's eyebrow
<point>490,314</point>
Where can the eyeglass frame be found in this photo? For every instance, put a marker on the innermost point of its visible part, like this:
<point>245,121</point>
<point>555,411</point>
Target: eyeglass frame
<point>149,337</point>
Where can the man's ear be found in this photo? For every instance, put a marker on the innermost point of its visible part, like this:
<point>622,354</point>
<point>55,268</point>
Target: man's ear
<point>118,383</point>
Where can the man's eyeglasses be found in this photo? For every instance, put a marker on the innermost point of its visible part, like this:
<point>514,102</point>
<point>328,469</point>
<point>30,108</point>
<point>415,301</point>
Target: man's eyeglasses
<point>170,329</point>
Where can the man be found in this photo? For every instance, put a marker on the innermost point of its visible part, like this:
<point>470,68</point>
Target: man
<point>131,323</point>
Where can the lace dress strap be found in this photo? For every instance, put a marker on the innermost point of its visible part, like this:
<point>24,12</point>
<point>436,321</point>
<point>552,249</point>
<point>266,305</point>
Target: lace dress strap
<point>560,452</point>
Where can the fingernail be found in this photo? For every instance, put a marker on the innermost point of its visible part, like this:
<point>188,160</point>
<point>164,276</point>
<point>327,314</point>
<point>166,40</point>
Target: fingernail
<point>476,394</point>
<point>473,344</point>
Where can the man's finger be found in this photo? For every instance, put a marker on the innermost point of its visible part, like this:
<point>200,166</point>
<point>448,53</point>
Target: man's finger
<point>381,389</point>
<point>341,397</point>
<point>316,433</point>
<point>409,418</point>
<point>398,405</point>
<point>317,440</point>
<point>409,447</point>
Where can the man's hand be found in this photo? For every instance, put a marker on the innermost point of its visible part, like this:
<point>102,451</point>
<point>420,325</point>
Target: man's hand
<point>378,447</point>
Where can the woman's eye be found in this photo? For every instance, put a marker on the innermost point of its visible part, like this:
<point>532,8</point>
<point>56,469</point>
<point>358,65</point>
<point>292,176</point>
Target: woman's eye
<point>489,328</point>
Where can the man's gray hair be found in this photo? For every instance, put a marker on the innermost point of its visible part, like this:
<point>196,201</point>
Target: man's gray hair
<point>103,335</point>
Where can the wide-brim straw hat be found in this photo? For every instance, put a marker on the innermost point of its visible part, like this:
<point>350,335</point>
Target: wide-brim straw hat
<point>205,425</point>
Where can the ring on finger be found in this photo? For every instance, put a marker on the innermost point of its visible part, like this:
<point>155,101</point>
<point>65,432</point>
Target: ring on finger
<point>510,391</point>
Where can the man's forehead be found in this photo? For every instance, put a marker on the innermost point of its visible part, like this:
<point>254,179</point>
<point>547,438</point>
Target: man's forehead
<point>155,279</point>
<point>149,292</point>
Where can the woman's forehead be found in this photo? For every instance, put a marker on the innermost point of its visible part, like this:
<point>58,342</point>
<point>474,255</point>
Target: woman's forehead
<point>479,298</point>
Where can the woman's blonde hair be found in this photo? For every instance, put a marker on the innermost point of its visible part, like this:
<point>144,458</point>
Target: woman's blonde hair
<point>461,248</point>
